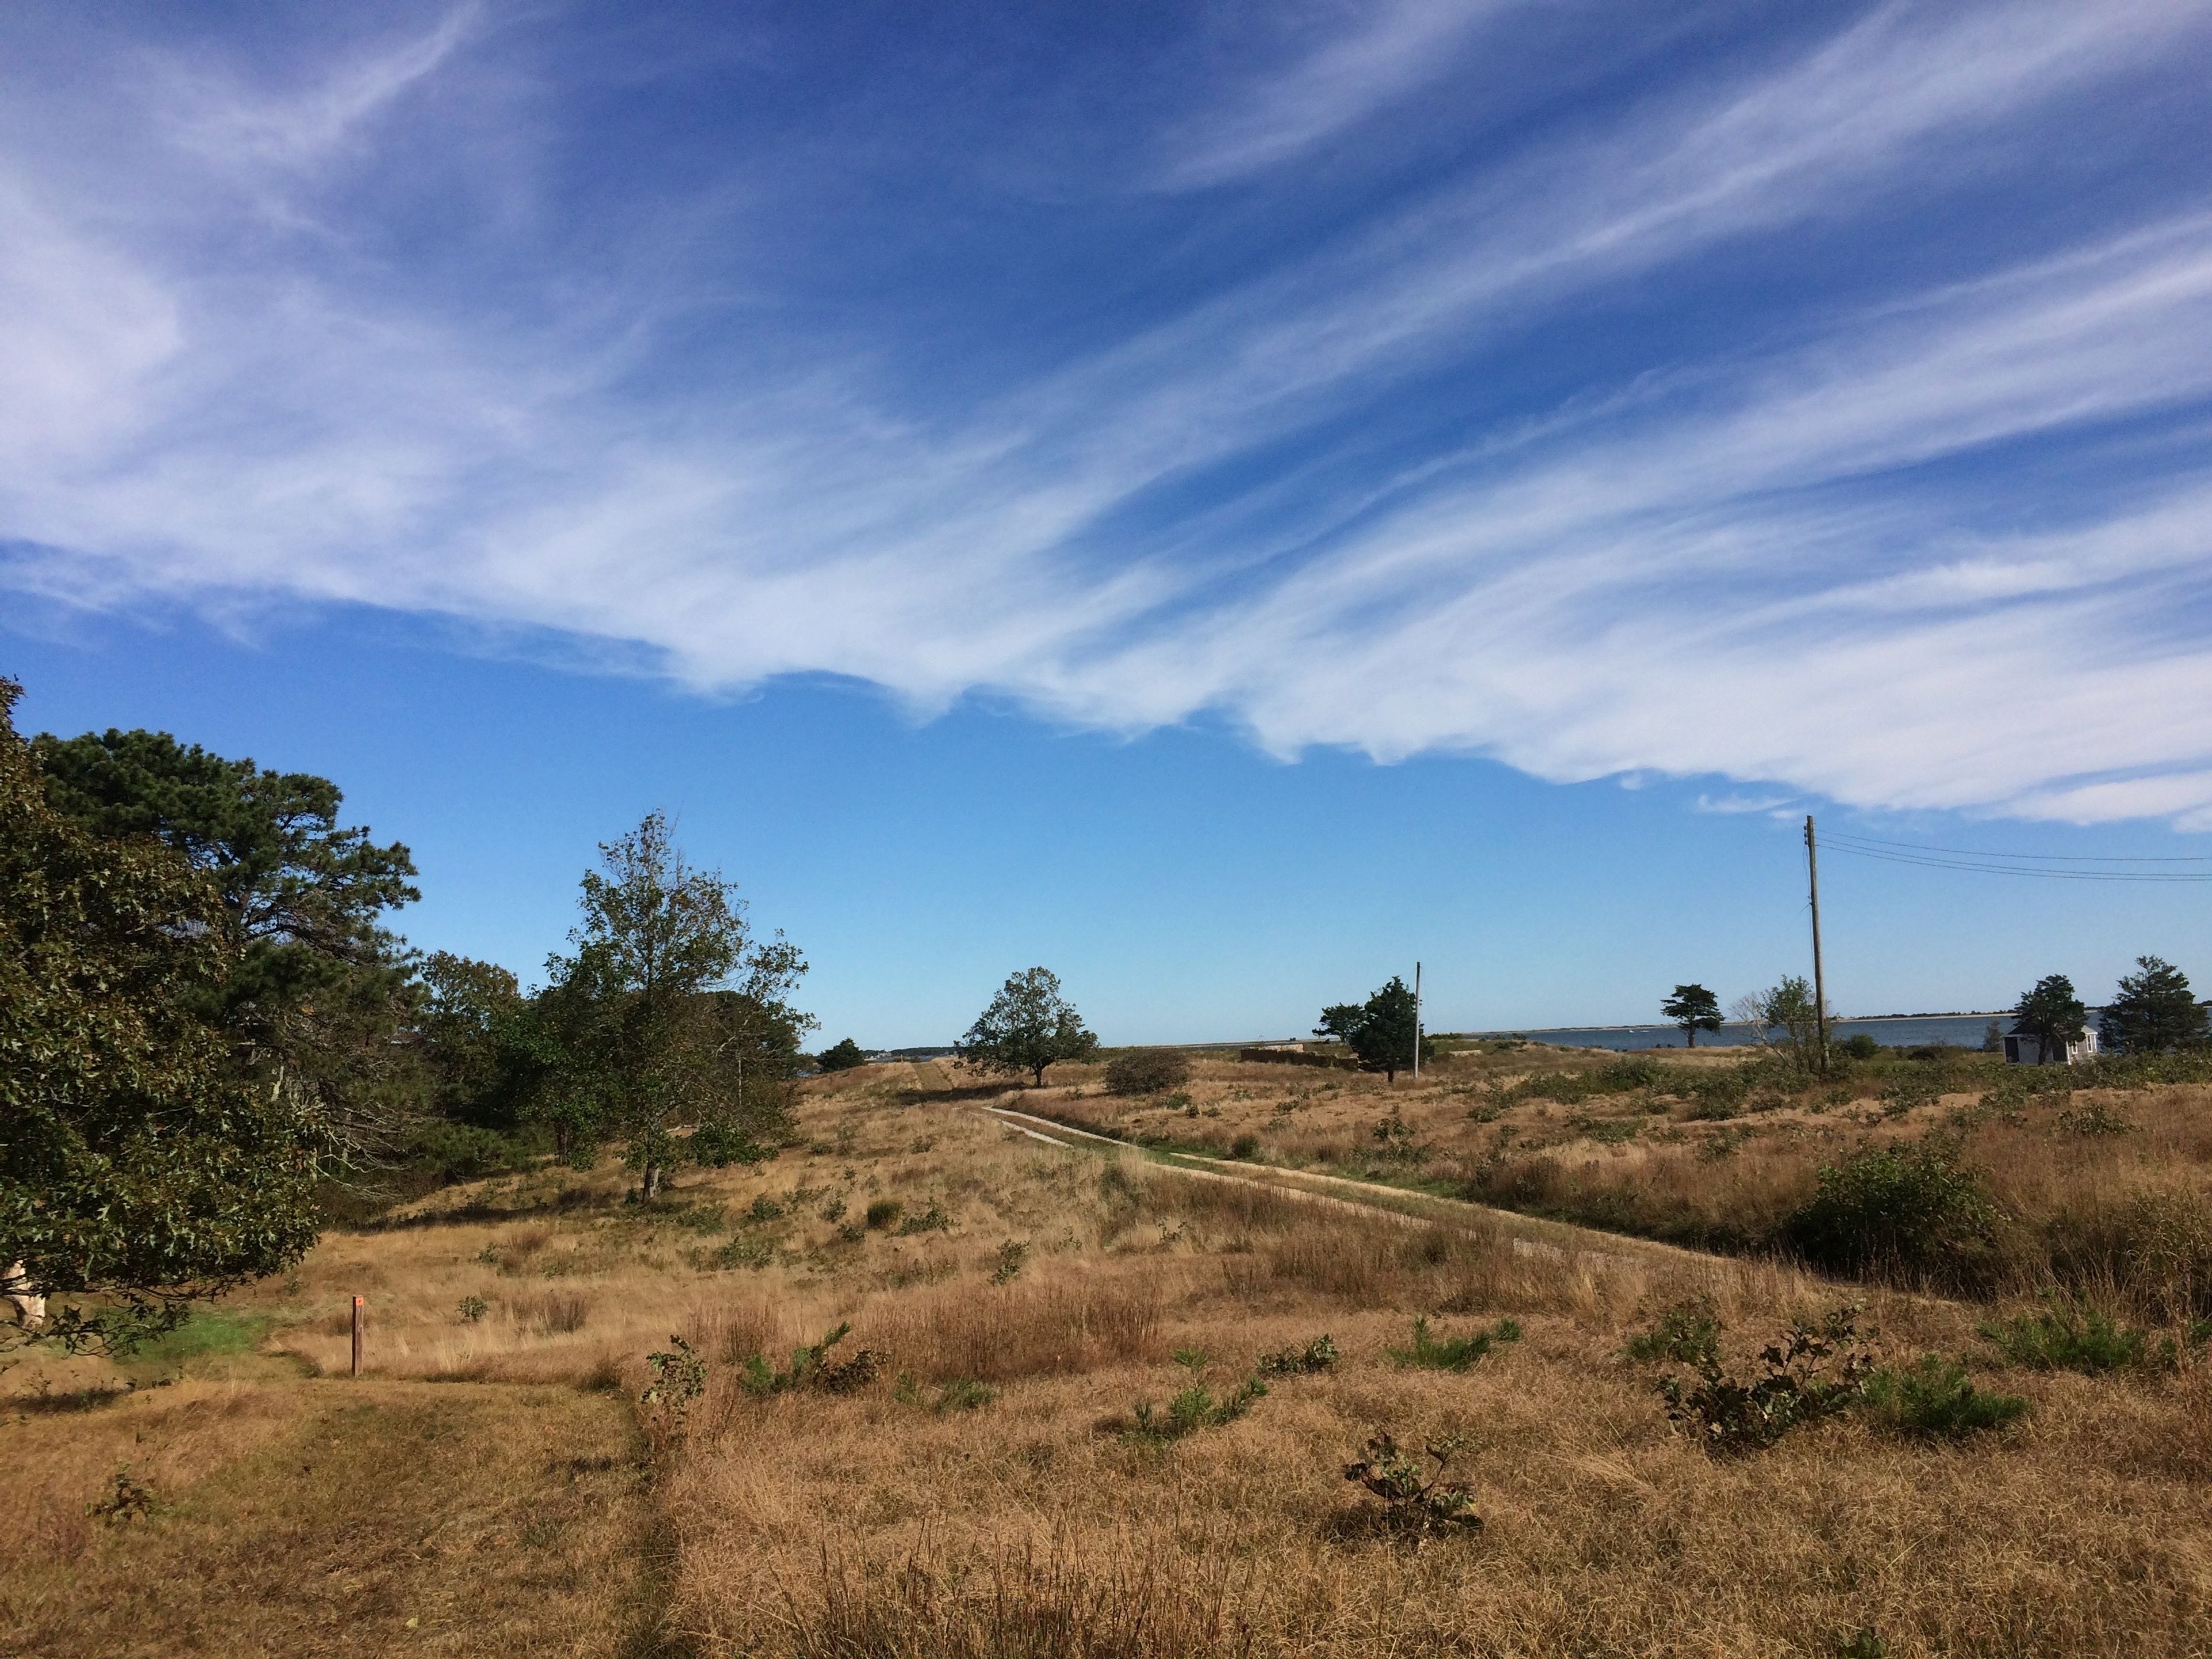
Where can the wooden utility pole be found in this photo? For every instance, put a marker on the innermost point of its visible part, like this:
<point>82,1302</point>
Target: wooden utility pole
<point>1820,984</point>
<point>1416,1022</point>
<point>359,1323</point>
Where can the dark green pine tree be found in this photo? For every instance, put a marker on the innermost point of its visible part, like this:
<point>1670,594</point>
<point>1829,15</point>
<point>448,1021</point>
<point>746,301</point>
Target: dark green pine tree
<point>2053,1015</point>
<point>2153,1011</point>
<point>1694,1009</point>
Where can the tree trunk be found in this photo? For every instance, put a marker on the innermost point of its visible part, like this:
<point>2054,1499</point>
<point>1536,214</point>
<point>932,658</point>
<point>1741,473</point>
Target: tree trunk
<point>650,1184</point>
<point>1689,1032</point>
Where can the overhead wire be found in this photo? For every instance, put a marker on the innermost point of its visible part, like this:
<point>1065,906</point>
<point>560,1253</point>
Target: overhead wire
<point>1989,864</point>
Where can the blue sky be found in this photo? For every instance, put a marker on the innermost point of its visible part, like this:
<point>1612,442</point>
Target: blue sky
<point>1220,500</point>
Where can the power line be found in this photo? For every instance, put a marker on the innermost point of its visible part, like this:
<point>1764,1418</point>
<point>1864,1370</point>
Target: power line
<point>2041,858</point>
<point>1978,865</point>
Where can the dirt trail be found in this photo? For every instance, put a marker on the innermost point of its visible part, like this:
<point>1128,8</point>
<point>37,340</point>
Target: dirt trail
<point>1531,1235</point>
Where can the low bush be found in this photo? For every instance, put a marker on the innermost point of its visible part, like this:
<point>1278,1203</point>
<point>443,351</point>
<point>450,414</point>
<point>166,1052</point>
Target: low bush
<point>963,1393</point>
<point>1452,1353</point>
<point>1411,1505</point>
<point>1012,1255</point>
<point>1194,1408</point>
<point>1147,1071</point>
<point>1933,1400</point>
<point>883,1211</point>
<point>931,1220</point>
<point>1811,1372</point>
<point>812,1367</point>
<point>1689,1333</point>
<point>1318,1355</point>
<point>743,1252</point>
<point>1914,1210</point>
<point>2068,1337</point>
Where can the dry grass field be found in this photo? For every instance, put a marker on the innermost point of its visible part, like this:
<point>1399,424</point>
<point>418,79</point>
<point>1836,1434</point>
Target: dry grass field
<point>982,1481</point>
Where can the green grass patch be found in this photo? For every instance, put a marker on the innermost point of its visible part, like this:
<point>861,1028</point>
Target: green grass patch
<point>1933,1400</point>
<point>1452,1353</point>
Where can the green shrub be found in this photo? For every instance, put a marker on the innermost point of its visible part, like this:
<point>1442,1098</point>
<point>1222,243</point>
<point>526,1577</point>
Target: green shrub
<point>963,1393</point>
<point>1452,1353</point>
<point>1318,1355</point>
<point>472,1308</point>
<point>742,1252</point>
<point>1195,1409</point>
<point>763,1208</point>
<point>1810,1372</point>
<point>1933,1400</point>
<point>1147,1071</point>
<point>1411,1504</point>
<point>931,1220</point>
<point>1860,1045</point>
<point>1012,1255</point>
<point>883,1211</point>
<point>811,1367</point>
<point>1244,1146</point>
<point>1689,1333</point>
<point>1913,1210</point>
<point>2070,1338</point>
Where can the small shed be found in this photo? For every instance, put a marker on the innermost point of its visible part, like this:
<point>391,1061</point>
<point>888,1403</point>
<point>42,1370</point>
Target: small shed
<point>2029,1050</point>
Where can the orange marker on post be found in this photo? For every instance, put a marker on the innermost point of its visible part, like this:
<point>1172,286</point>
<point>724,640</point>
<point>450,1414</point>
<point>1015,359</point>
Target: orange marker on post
<point>360,1318</point>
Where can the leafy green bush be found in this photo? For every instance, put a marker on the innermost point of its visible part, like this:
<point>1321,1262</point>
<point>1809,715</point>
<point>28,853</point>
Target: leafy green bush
<point>742,1252</point>
<point>1411,1504</point>
<point>1913,1210</point>
<point>1147,1071</point>
<point>1452,1353</point>
<point>472,1308</point>
<point>931,1220</point>
<point>1012,1255</point>
<point>1244,1146</point>
<point>811,1367</point>
<point>883,1211</point>
<point>1195,1409</point>
<point>1933,1400</point>
<point>2070,1338</point>
<point>1688,1332</point>
<point>1860,1045</point>
<point>1796,1385</point>
<point>1318,1355</point>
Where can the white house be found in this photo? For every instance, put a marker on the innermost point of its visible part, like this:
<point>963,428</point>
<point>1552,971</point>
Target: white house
<point>2028,1051</point>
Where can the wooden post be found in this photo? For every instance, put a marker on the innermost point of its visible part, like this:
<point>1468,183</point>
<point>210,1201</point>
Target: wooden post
<point>1416,1022</point>
<point>1820,984</point>
<point>360,1321</point>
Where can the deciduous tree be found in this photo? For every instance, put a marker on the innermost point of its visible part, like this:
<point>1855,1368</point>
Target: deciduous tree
<point>841,1056</point>
<point>655,1016</point>
<point>139,1169</point>
<point>1029,1026</point>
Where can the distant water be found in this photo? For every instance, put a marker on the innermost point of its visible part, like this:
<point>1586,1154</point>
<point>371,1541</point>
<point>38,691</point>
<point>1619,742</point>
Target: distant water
<point>1959,1030</point>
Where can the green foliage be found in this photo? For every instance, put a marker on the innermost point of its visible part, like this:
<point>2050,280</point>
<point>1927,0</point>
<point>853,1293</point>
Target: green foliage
<point>1380,1031</point>
<point>1147,1071</point>
<point>1452,1353</point>
<point>1911,1210</point>
<point>883,1211</point>
<point>127,1499</point>
<point>1789,1008</point>
<point>931,1220</point>
<point>963,1393</point>
<point>1933,1400</point>
<point>1013,1254</point>
<point>679,1378</point>
<point>141,1166</point>
<point>1688,1332</point>
<point>1194,1408</point>
<point>2070,1337</point>
<point>1027,1027</point>
<point>813,1367</point>
<point>841,1056</point>
<point>317,991</point>
<point>745,1252</point>
<point>1859,1045</point>
<point>763,1208</point>
<point>2051,1012</point>
<point>669,1014</point>
<point>1244,1146</point>
<point>2153,1011</point>
<point>1694,1009</point>
<point>1810,1372</point>
<point>1410,1503</point>
<point>1863,1644</point>
<point>1318,1355</point>
<point>472,1308</point>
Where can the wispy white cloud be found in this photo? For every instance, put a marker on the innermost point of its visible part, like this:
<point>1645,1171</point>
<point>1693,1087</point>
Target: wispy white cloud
<point>1802,559</point>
